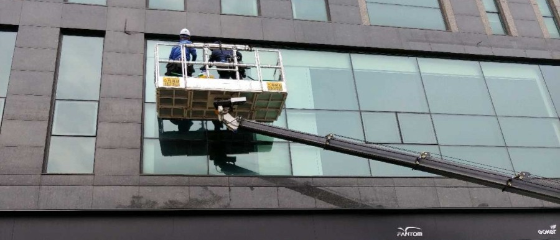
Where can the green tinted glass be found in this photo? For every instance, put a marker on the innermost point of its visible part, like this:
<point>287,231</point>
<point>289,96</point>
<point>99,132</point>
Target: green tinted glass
<point>496,157</point>
<point>2,100</point>
<point>309,10</point>
<point>423,3</point>
<point>496,24</point>
<point>518,90</point>
<point>455,87</point>
<point>77,118</point>
<point>325,122</point>
<point>551,74</point>
<point>417,128</point>
<point>467,130</point>
<point>381,127</point>
<point>409,16</point>
<point>7,44</point>
<point>532,132</point>
<point>538,161</point>
<point>312,161</point>
<point>174,156</point>
<point>71,155</point>
<point>249,158</point>
<point>552,27</point>
<point>544,8</point>
<point>490,5</point>
<point>240,7</point>
<point>178,5</point>
<point>96,2</point>
<point>79,73</point>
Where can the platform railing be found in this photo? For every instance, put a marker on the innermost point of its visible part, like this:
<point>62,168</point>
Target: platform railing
<point>221,66</point>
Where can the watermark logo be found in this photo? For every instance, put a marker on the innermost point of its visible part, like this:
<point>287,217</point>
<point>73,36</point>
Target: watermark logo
<point>409,232</point>
<point>551,231</point>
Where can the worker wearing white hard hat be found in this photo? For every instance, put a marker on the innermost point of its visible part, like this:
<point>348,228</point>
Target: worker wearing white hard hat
<point>174,69</point>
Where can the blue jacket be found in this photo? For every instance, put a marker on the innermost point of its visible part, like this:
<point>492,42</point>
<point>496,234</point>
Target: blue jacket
<point>176,52</point>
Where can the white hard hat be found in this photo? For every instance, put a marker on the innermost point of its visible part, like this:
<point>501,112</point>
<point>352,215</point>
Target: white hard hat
<point>185,31</point>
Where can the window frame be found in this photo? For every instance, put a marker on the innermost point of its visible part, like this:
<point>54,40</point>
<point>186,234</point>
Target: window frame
<point>443,12</point>
<point>554,17</point>
<point>50,126</point>
<point>161,9</point>
<point>11,29</point>
<point>499,12</point>
<point>259,12</point>
<point>327,9</point>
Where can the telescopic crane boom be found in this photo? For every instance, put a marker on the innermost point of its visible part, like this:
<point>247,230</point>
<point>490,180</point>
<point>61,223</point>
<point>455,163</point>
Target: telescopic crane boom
<point>522,183</point>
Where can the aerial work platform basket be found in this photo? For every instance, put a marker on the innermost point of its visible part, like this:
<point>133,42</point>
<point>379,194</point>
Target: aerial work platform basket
<point>184,97</point>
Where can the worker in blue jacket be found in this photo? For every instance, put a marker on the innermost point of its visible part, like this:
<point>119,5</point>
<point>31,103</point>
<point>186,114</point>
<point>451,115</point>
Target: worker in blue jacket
<point>174,69</point>
<point>226,56</point>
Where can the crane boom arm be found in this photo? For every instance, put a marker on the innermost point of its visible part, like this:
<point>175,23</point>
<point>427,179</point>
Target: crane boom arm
<point>520,183</point>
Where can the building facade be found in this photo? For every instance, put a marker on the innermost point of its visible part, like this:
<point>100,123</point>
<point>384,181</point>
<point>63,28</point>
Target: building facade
<point>472,81</point>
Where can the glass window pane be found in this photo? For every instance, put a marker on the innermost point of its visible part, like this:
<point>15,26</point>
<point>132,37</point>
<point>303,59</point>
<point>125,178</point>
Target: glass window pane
<point>538,161</point>
<point>75,118</point>
<point>150,92</point>
<point>496,24</point>
<point>178,5</point>
<point>315,59</point>
<point>173,156</point>
<point>417,128</point>
<point>176,129</point>
<point>531,132</point>
<point>310,10</point>
<point>455,87</point>
<point>1,109</point>
<point>71,155</point>
<point>7,44</point>
<point>389,83</point>
<point>381,127</point>
<point>467,130</point>
<point>412,17</point>
<point>423,3</point>
<point>496,157</point>
<point>240,7</point>
<point>249,158</point>
<point>325,122</point>
<point>552,27</point>
<point>552,80</point>
<point>490,5</point>
<point>381,169</point>
<point>79,73</point>
<point>313,161</point>
<point>321,88</point>
<point>518,90</point>
<point>544,8</point>
<point>97,2</point>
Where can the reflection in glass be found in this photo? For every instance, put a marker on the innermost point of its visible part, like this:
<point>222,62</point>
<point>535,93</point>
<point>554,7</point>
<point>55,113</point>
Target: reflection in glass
<point>552,80</point>
<point>455,87</point>
<point>531,132</point>
<point>381,169</point>
<point>381,127</point>
<point>71,155</point>
<point>467,130</point>
<point>417,128</point>
<point>309,10</point>
<point>409,16</point>
<point>249,158</point>
<point>174,156</point>
<point>324,122</point>
<point>79,73</point>
<point>313,161</point>
<point>314,59</point>
<point>544,8</point>
<point>7,44</point>
<point>424,3</point>
<point>389,84</point>
<point>176,129</point>
<point>321,88</point>
<point>490,5</point>
<point>518,90</point>
<point>491,156</point>
<point>178,5</point>
<point>240,7</point>
<point>551,26</point>
<point>75,118</point>
<point>496,24</point>
<point>538,161</point>
<point>96,2</point>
